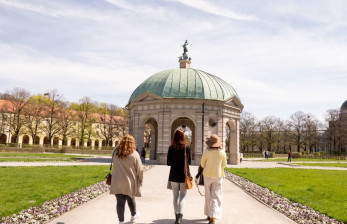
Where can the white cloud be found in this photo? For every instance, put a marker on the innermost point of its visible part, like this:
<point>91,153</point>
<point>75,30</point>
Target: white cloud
<point>211,8</point>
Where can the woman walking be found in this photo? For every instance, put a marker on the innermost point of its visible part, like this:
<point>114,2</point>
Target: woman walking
<point>178,157</point>
<point>213,161</point>
<point>127,177</point>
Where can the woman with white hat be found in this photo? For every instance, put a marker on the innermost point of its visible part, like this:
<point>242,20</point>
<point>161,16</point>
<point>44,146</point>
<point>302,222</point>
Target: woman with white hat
<point>213,161</point>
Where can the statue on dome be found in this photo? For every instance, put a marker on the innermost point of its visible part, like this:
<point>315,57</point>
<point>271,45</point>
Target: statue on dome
<point>185,50</point>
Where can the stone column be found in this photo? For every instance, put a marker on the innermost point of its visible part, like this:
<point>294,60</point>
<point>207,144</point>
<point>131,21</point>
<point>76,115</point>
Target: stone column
<point>234,158</point>
<point>153,145</point>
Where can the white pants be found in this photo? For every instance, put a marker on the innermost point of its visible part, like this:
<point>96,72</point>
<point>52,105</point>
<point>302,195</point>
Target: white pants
<point>213,197</point>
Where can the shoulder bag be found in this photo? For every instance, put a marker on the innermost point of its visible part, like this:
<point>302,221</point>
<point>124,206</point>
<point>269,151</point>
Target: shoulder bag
<point>109,175</point>
<point>189,178</point>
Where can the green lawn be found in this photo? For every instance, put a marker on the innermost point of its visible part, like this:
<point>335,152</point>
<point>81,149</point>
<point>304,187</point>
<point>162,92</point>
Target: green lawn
<point>322,190</point>
<point>23,187</point>
<point>39,155</point>
<point>300,160</point>
<point>324,164</point>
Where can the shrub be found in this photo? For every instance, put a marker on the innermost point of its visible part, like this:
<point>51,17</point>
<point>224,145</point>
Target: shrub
<point>322,153</point>
<point>272,154</point>
<point>316,153</point>
<point>336,152</point>
<point>296,155</point>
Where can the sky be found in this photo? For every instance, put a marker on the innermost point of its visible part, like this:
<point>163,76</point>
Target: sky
<point>280,56</point>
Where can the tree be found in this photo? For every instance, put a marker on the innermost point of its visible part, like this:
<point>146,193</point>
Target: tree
<point>247,131</point>
<point>84,113</point>
<point>18,99</point>
<point>54,105</point>
<point>297,124</point>
<point>67,120</point>
<point>268,128</point>
<point>335,130</point>
<point>34,115</point>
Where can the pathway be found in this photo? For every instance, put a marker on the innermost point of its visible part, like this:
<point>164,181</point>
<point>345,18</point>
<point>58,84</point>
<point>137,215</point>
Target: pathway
<point>156,206</point>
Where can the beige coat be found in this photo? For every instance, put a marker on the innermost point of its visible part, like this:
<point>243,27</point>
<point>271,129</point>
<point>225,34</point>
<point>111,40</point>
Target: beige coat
<point>127,175</point>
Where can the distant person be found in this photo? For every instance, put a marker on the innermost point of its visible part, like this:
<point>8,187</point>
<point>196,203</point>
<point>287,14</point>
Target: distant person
<point>266,154</point>
<point>289,156</point>
<point>241,157</point>
<point>177,158</point>
<point>127,176</point>
<point>213,161</point>
<point>143,155</point>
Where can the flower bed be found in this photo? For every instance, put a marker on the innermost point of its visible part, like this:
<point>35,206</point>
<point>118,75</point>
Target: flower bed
<point>300,213</point>
<point>52,209</point>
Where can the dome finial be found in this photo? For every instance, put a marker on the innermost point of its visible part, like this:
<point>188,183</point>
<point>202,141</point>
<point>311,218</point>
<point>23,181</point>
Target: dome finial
<point>184,59</point>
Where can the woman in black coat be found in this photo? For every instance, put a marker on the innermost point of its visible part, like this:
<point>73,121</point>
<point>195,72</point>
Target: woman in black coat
<point>176,159</point>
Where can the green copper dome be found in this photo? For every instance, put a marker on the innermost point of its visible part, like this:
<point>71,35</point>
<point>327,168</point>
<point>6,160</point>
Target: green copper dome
<point>186,83</point>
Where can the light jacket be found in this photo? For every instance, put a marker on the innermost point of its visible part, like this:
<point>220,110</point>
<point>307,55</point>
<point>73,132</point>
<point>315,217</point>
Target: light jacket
<point>127,175</point>
<point>214,161</point>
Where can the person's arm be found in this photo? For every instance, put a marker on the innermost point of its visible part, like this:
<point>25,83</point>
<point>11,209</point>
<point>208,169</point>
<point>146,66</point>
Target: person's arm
<point>139,168</point>
<point>203,160</point>
<point>169,157</point>
<point>224,160</point>
<point>189,156</point>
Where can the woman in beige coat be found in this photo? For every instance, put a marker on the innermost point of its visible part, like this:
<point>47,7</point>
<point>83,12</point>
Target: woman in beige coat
<point>127,177</point>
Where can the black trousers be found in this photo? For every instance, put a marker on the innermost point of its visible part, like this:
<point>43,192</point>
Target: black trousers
<point>121,199</point>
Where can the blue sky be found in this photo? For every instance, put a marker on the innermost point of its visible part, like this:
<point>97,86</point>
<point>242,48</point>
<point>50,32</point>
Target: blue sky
<point>280,56</point>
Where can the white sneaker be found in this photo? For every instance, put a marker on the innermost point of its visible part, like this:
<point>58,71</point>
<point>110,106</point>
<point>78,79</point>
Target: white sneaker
<point>136,216</point>
<point>121,222</point>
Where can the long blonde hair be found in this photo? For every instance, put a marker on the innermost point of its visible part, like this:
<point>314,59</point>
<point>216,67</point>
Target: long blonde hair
<point>126,146</point>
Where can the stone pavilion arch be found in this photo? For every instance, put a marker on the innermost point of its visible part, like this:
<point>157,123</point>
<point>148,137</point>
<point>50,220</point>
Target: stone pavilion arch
<point>182,123</point>
<point>150,136</point>
<point>187,97</point>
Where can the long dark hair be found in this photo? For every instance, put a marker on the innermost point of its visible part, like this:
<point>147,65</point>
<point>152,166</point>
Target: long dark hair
<point>178,139</point>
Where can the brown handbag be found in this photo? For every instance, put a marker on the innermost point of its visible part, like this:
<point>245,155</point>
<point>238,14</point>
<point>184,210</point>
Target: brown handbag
<point>189,178</point>
<point>109,175</point>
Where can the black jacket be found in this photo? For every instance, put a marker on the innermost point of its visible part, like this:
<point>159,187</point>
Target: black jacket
<point>175,159</point>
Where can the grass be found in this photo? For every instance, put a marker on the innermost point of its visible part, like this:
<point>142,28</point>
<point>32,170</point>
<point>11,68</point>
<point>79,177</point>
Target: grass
<point>18,159</point>
<point>299,159</point>
<point>23,187</point>
<point>324,164</point>
<point>38,155</point>
<point>322,190</point>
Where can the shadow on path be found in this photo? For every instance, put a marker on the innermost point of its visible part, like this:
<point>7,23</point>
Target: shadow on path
<point>170,221</point>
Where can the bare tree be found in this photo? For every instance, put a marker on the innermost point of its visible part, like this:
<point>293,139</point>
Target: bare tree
<point>67,120</point>
<point>335,131</point>
<point>247,131</point>
<point>53,105</point>
<point>34,116</point>
<point>18,99</point>
<point>268,129</point>
<point>297,123</point>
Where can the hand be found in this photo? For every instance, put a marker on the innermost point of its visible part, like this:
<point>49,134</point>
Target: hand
<point>196,181</point>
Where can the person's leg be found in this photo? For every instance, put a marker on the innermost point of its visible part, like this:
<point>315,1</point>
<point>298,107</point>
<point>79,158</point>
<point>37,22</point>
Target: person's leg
<point>216,198</point>
<point>131,204</point>
<point>175,191</point>
<point>121,199</point>
<point>182,195</point>
<point>207,185</point>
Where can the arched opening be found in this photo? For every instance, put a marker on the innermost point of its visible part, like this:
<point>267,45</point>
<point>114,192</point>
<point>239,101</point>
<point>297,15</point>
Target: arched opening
<point>232,140</point>
<point>73,142</point>
<point>46,141</point>
<point>103,143</point>
<point>150,137</point>
<point>13,139</point>
<point>3,139</point>
<point>26,139</point>
<point>37,140</point>
<point>89,142</point>
<point>110,143</point>
<point>55,141</point>
<point>188,126</point>
<point>96,144</point>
